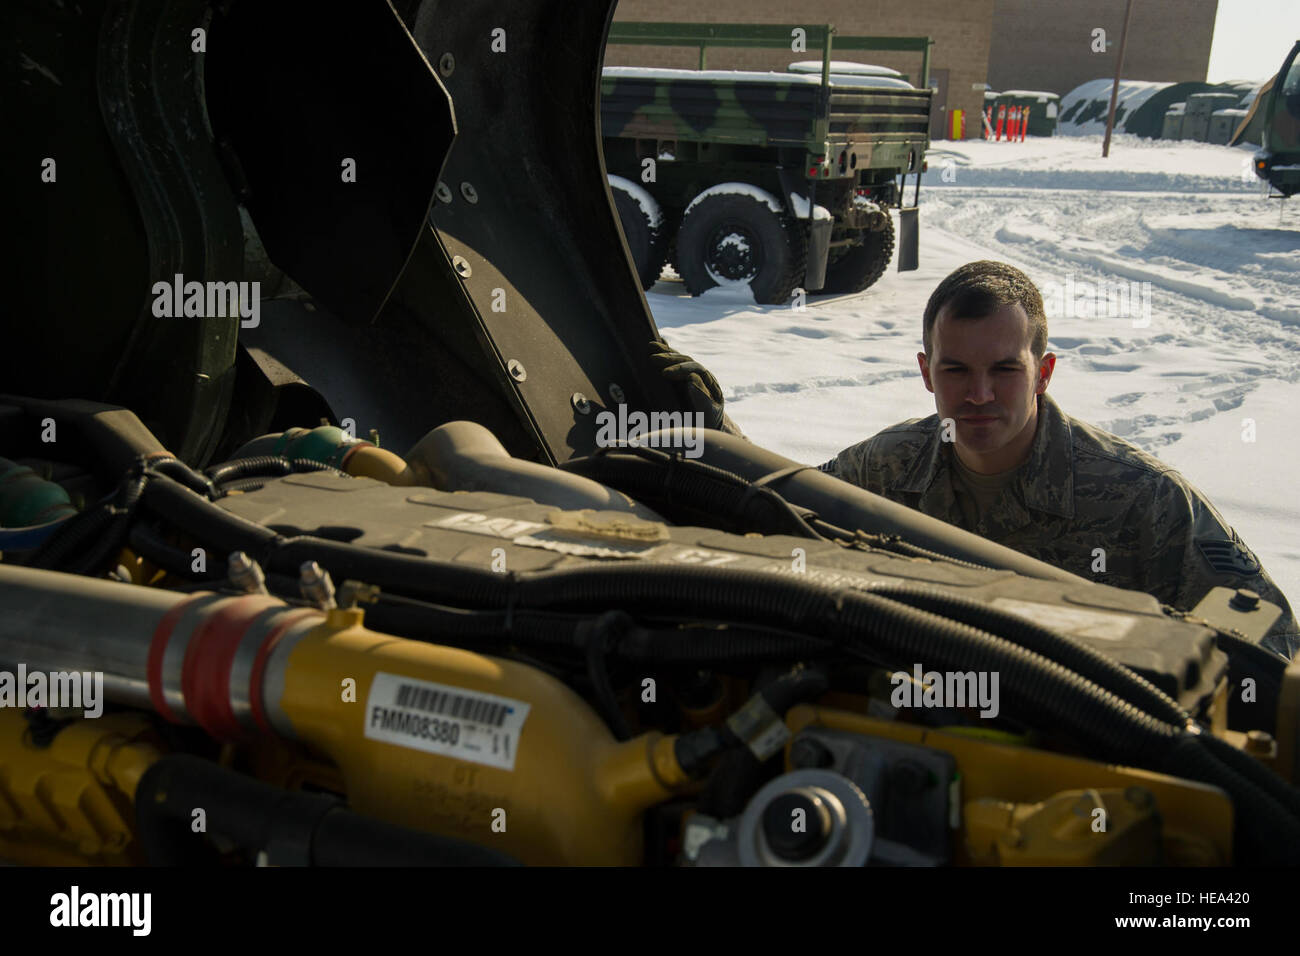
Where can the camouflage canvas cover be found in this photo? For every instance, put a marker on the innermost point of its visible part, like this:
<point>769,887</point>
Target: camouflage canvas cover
<point>882,126</point>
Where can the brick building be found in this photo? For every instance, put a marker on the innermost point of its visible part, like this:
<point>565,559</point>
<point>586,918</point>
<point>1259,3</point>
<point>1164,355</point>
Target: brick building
<point>958,60</point>
<point>1009,44</point>
<point>1047,44</point>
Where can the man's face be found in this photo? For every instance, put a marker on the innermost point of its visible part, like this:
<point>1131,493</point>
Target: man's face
<point>984,376</point>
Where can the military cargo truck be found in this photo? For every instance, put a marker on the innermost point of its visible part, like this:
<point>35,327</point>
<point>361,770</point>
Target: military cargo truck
<point>775,180</point>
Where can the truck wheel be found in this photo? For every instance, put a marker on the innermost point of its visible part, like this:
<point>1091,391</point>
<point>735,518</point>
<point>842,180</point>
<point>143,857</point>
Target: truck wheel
<point>642,222</point>
<point>734,238</point>
<point>862,265</point>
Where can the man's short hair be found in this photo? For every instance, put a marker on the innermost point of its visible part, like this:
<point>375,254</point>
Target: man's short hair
<point>977,290</point>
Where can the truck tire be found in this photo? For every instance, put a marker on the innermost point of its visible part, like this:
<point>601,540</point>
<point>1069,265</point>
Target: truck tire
<point>862,265</point>
<point>646,238</point>
<point>730,238</point>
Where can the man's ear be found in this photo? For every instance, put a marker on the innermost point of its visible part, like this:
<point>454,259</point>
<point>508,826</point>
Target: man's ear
<point>925,371</point>
<point>1046,365</point>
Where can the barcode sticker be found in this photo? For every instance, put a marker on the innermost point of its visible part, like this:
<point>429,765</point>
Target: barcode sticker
<point>441,719</point>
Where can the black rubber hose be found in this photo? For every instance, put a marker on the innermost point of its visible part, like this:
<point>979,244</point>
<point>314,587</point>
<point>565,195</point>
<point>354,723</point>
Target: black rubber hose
<point>735,778</point>
<point>148,543</point>
<point>1045,692</point>
<point>72,536</point>
<point>436,623</point>
<point>295,828</point>
<point>424,621</point>
<point>1263,826</point>
<point>596,636</point>
<point>114,535</point>
<point>1083,660</point>
<point>738,772</point>
<point>737,644</point>
<point>243,485</point>
<point>264,466</point>
<point>719,593</point>
<point>1039,688</point>
<point>83,542</point>
<point>344,838</point>
<point>247,467</point>
<point>201,519</point>
<point>802,682</point>
<point>440,581</point>
<point>649,474</point>
<point>178,471</point>
<point>1247,766</point>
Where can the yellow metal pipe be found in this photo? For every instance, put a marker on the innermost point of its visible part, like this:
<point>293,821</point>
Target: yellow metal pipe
<point>572,794</point>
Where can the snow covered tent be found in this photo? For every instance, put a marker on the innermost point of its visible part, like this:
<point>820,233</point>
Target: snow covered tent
<point>1141,106</point>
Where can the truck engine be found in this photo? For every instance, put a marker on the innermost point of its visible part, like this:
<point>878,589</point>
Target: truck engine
<point>513,642</point>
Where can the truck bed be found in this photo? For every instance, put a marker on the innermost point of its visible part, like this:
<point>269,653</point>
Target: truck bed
<point>762,109</point>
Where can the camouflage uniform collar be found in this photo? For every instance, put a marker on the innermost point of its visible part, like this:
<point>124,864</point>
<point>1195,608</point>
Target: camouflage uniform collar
<point>1048,476</point>
<point>1044,483</point>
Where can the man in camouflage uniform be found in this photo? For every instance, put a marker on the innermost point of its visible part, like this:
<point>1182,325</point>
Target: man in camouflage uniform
<point>1001,459</point>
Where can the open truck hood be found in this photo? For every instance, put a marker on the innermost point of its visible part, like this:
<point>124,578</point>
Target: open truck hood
<point>472,268</point>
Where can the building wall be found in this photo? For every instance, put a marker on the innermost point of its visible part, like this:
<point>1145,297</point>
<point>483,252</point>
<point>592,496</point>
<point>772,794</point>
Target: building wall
<point>1047,44</point>
<point>961,31</point>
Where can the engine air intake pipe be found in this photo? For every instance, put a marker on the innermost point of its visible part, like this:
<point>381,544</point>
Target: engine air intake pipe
<point>388,712</point>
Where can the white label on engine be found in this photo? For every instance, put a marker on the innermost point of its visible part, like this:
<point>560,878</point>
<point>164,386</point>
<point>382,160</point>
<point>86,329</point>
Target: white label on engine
<point>1070,620</point>
<point>478,523</point>
<point>441,719</point>
<point>712,559</point>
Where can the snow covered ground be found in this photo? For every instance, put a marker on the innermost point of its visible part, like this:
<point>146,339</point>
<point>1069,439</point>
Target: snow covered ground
<point>1200,356</point>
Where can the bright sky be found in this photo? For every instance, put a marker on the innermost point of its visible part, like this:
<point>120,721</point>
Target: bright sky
<point>1251,38</point>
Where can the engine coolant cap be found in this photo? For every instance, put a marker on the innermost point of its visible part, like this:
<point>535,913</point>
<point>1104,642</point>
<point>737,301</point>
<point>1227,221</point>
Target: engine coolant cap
<point>836,827</point>
<point>796,825</point>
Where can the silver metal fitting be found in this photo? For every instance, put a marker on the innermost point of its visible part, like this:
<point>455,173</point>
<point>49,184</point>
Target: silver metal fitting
<point>245,573</point>
<point>316,585</point>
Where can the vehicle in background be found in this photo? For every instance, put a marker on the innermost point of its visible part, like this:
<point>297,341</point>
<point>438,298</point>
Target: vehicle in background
<point>775,180</point>
<point>1278,160</point>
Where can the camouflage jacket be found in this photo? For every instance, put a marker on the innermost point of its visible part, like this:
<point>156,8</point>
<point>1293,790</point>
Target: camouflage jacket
<point>1084,500</point>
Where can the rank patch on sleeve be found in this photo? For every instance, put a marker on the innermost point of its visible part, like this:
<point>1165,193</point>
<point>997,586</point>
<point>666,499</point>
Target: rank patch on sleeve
<point>1228,557</point>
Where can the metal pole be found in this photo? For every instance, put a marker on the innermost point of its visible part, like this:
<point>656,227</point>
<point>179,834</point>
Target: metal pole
<point>1114,90</point>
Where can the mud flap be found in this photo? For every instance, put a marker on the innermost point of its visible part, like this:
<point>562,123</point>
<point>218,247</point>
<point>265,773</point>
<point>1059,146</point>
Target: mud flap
<point>819,247</point>
<point>908,239</point>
